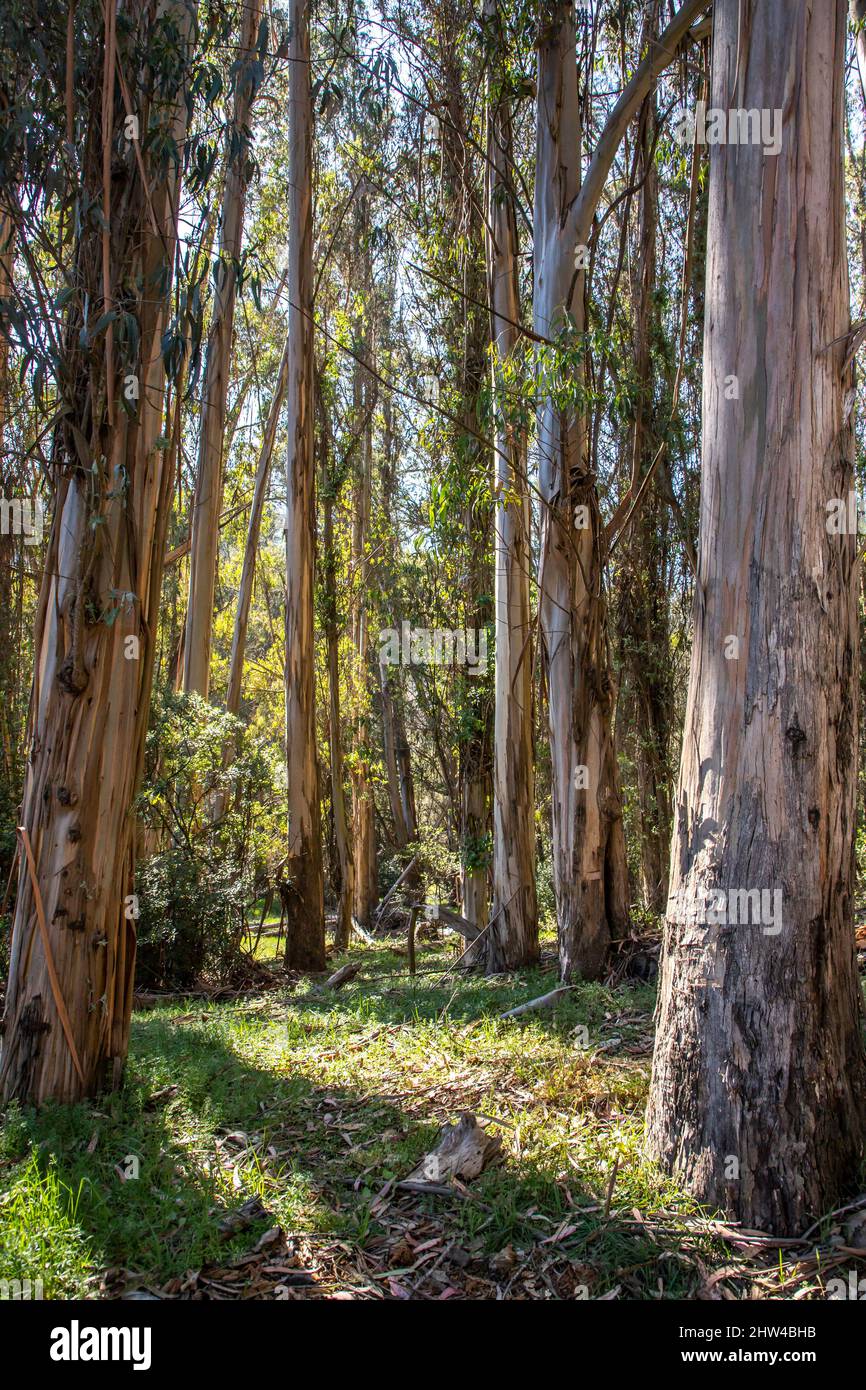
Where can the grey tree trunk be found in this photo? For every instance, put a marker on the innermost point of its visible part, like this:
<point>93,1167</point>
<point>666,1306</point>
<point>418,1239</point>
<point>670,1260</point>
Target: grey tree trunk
<point>513,935</point>
<point>646,698</point>
<point>363,806</point>
<point>757,1095</point>
<point>587,843</point>
<point>204,534</point>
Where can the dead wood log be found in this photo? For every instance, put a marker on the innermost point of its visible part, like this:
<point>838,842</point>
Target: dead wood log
<point>544,1001</point>
<point>342,976</point>
<point>467,930</point>
<point>463,1151</point>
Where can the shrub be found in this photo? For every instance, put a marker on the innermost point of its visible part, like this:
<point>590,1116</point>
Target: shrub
<point>209,803</point>
<point>191,923</point>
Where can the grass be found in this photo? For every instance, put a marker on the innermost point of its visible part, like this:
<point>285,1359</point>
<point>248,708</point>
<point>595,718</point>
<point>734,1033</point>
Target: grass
<point>316,1104</point>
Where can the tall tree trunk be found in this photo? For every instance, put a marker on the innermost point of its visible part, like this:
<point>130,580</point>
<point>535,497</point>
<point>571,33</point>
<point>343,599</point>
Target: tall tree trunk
<point>339,807</point>
<point>251,546</point>
<point>207,500</point>
<point>587,843</point>
<point>757,1096</point>
<point>513,934</point>
<point>589,847</point>
<point>398,760</point>
<point>468,330</point>
<point>73,943</point>
<point>363,807</point>
<point>646,700</point>
<point>304,897</point>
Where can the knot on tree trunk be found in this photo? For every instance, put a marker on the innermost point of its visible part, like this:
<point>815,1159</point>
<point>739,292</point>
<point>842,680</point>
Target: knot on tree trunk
<point>72,678</point>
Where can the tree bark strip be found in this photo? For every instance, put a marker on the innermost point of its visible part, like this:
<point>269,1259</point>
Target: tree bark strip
<point>586,802</point>
<point>513,936</point>
<point>757,1095</point>
<point>91,690</point>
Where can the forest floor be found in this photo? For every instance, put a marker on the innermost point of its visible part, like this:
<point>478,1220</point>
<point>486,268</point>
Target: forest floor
<point>258,1145</point>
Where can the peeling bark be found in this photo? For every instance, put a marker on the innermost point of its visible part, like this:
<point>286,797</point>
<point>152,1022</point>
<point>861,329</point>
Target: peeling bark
<point>585,795</point>
<point>757,1095</point>
<point>513,935</point>
<point>91,688</point>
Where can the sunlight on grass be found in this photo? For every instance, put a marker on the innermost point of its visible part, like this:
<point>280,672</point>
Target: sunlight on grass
<point>40,1238</point>
<point>315,1102</point>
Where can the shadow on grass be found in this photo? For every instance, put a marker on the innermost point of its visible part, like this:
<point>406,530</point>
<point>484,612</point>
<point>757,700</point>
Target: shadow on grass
<point>316,1156</point>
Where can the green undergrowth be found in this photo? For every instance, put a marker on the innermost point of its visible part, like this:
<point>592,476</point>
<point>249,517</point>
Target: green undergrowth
<point>316,1103</point>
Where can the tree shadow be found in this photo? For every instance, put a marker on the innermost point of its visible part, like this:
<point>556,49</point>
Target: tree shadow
<point>199,1130</point>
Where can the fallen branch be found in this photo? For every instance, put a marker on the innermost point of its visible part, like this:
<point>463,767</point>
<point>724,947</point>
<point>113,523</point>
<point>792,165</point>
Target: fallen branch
<point>463,954</point>
<point>362,932</point>
<point>467,930</point>
<point>544,1001</point>
<point>394,886</point>
<point>342,976</point>
<point>463,1151</point>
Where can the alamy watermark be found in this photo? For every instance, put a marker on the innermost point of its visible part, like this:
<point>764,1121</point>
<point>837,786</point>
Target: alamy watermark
<point>715,126</point>
<point>433,646</point>
<point>17,1289</point>
<point>846,516</point>
<point>22,516</point>
<point>729,907</point>
<point>77,1343</point>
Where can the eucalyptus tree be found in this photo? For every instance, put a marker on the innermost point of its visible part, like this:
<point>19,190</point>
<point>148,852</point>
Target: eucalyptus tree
<point>303,896</point>
<point>513,929</point>
<point>758,1086</point>
<point>461,247</point>
<point>248,72</point>
<point>588,839</point>
<point>69,996</point>
<point>645,574</point>
<point>587,844</point>
<point>329,488</point>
